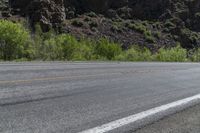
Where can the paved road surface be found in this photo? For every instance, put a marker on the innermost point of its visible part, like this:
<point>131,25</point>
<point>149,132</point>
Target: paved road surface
<point>72,97</point>
<point>187,121</point>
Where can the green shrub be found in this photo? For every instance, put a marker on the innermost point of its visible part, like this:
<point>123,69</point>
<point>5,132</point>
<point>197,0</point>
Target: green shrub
<point>176,54</point>
<point>116,27</point>
<point>192,37</point>
<point>139,27</point>
<point>157,34</point>
<point>87,49</point>
<point>149,37</point>
<point>15,41</point>
<point>93,24</point>
<point>169,25</point>
<point>91,14</point>
<point>16,44</point>
<point>77,23</point>
<point>87,19</point>
<point>50,46</point>
<point>197,15</point>
<point>69,45</point>
<point>106,49</point>
<point>195,57</point>
<point>135,54</point>
<point>142,28</point>
<point>74,49</point>
<point>51,50</point>
<point>38,41</point>
<point>45,45</point>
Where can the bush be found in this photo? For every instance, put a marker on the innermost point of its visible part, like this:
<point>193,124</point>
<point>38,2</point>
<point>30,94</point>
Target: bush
<point>74,49</point>
<point>135,54</point>
<point>15,41</point>
<point>157,34</point>
<point>176,54</point>
<point>45,45</point>
<point>106,49</point>
<point>91,14</point>
<point>195,57</point>
<point>16,44</point>
<point>139,27</point>
<point>142,28</point>
<point>51,50</point>
<point>93,24</point>
<point>149,37</point>
<point>77,23</point>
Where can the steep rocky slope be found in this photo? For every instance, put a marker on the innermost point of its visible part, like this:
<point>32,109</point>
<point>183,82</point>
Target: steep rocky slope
<point>152,23</point>
<point>4,9</point>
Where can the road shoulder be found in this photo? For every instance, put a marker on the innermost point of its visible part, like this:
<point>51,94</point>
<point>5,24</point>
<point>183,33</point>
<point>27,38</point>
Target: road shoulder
<point>187,121</point>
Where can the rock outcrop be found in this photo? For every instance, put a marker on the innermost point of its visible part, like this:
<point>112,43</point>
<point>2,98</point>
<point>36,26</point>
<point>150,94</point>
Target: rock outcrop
<point>4,9</point>
<point>174,20</point>
<point>140,9</point>
<point>48,13</point>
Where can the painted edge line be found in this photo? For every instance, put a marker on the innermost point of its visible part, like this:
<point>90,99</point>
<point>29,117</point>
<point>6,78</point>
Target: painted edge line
<point>136,117</point>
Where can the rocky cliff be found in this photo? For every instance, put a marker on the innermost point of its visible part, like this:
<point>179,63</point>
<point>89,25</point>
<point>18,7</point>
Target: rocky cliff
<point>153,23</point>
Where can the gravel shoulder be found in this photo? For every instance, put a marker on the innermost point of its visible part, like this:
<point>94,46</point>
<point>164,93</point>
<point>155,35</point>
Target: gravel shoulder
<point>187,121</point>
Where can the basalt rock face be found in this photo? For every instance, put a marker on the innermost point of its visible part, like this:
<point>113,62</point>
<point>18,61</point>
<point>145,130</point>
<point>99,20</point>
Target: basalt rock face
<point>137,8</point>
<point>131,9</point>
<point>180,19</point>
<point>98,6</point>
<point>4,9</point>
<point>149,22</point>
<point>48,13</point>
<point>142,9</point>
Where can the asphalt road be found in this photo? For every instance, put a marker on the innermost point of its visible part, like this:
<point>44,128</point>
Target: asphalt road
<point>186,121</point>
<point>71,97</point>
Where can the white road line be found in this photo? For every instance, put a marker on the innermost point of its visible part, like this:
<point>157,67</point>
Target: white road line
<point>136,117</point>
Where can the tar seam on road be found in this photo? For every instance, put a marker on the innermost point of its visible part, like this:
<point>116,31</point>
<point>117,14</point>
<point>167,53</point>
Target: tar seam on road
<point>136,117</point>
<point>65,77</point>
<point>54,78</point>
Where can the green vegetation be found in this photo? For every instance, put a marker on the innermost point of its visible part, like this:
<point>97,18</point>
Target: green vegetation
<point>195,57</point>
<point>93,24</point>
<point>3,4</point>
<point>190,36</point>
<point>117,26</point>
<point>77,23</point>
<point>106,49</point>
<point>142,27</point>
<point>197,15</point>
<point>75,50</point>
<point>91,14</point>
<point>176,54</point>
<point>169,24</point>
<point>135,54</point>
<point>16,43</point>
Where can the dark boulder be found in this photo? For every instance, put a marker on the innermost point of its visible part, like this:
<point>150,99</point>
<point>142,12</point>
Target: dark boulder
<point>143,9</point>
<point>49,13</point>
<point>4,9</point>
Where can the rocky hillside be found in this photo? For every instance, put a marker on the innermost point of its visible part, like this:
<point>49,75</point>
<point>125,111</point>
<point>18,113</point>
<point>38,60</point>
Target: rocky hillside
<point>150,23</point>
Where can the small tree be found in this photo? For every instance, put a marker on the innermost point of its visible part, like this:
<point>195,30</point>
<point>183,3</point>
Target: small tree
<point>15,41</point>
<point>74,49</point>
<point>135,53</point>
<point>106,49</point>
<point>176,54</point>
